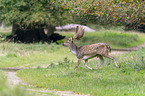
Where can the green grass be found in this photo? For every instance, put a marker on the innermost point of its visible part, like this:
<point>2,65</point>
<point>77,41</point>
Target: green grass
<point>112,38</point>
<point>43,54</point>
<point>106,81</point>
<point>29,55</point>
<point>2,76</point>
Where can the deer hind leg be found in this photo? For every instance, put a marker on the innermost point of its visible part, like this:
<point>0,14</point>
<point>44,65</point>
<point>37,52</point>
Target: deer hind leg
<point>102,61</point>
<point>78,63</point>
<point>86,64</point>
<point>111,57</point>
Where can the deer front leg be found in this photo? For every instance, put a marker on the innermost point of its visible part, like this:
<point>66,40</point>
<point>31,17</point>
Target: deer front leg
<point>111,57</point>
<point>78,63</point>
<point>102,61</point>
<point>86,64</point>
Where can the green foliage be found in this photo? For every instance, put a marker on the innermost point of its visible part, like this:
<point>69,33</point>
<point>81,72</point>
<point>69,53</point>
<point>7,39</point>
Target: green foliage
<point>110,11</point>
<point>34,12</point>
<point>58,12</point>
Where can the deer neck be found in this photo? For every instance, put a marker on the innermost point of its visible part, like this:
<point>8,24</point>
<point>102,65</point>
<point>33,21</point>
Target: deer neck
<point>74,48</point>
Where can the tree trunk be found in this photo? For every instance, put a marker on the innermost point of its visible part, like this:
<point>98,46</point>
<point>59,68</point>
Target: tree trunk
<point>51,36</point>
<point>27,35</point>
<point>31,35</point>
<point>50,30</point>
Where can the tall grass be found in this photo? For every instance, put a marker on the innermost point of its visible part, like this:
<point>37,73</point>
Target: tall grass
<point>29,55</point>
<point>132,61</point>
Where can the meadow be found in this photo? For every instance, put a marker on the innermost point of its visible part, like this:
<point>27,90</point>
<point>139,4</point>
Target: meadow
<point>106,81</point>
<point>59,65</point>
<point>43,54</point>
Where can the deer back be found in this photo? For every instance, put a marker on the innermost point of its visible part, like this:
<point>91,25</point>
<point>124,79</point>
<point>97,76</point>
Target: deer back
<point>98,48</point>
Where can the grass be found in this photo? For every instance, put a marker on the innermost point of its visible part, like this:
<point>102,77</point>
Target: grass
<point>2,76</point>
<point>43,54</point>
<point>6,90</point>
<point>112,38</point>
<point>132,61</point>
<point>29,55</point>
<point>106,81</point>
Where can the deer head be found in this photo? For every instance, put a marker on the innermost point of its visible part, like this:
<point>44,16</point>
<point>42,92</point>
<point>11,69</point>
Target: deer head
<point>68,42</point>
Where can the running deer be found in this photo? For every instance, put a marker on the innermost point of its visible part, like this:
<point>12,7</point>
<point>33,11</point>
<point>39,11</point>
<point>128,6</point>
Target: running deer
<point>89,51</point>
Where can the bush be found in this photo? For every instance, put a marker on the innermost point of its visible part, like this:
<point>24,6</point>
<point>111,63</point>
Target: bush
<point>127,12</point>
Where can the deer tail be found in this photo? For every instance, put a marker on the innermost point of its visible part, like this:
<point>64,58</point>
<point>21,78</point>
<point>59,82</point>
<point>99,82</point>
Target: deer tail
<point>109,49</point>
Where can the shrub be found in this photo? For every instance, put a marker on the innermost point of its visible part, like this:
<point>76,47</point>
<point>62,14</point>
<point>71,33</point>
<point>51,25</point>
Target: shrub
<point>130,13</point>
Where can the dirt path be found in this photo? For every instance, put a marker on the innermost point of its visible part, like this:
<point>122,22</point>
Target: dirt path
<point>126,50</point>
<point>14,80</point>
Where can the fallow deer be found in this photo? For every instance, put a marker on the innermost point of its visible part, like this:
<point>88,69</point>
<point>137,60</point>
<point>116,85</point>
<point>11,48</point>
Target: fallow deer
<point>89,51</point>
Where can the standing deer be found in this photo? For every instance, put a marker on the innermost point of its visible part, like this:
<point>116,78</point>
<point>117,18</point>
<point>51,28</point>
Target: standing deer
<point>89,51</point>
